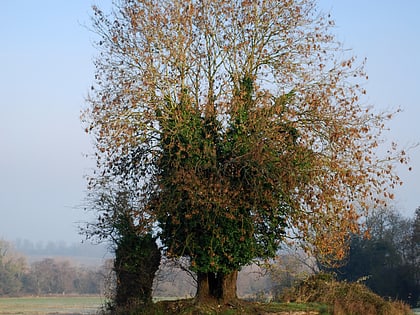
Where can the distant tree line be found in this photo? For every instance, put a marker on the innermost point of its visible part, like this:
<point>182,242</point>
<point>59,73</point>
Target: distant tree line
<point>59,248</point>
<point>47,276</point>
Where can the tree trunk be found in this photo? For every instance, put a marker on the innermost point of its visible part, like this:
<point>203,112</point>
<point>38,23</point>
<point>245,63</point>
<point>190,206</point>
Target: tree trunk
<point>228,287</point>
<point>216,288</point>
<point>203,288</point>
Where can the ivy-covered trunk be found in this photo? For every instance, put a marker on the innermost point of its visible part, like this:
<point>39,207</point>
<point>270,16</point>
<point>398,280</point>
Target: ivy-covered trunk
<point>216,287</point>
<point>137,258</point>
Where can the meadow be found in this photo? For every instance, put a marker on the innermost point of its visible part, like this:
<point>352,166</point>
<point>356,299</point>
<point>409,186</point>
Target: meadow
<point>89,305</point>
<point>63,305</point>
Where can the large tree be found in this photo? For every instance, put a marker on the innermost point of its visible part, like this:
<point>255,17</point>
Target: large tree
<point>238,124</point>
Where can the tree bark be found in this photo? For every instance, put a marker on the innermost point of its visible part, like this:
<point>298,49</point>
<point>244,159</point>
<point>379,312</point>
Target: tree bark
<point>228,287</point>
<point>216,288</point>
<point>203,288</point>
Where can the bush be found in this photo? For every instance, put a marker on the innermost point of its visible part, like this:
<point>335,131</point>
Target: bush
<point>345,298</point>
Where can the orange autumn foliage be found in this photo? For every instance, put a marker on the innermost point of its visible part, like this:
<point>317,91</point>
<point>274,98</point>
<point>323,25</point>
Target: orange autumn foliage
<point>307,132</point>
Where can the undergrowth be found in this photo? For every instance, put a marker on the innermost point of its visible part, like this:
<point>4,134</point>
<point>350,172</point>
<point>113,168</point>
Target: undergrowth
<point>346,298</point>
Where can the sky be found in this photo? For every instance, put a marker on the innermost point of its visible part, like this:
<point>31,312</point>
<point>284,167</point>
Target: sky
<point>46,68</point>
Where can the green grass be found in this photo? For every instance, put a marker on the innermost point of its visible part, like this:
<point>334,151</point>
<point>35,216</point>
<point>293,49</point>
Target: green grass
<point>50,305</point>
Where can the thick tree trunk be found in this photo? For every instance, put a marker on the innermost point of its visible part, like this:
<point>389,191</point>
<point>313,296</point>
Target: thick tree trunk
<point>228,287</point>
<point>203,288</point>
<point>216,288</point>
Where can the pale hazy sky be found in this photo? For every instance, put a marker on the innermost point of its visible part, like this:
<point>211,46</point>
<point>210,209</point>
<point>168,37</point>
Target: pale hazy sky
<point>46,69</point>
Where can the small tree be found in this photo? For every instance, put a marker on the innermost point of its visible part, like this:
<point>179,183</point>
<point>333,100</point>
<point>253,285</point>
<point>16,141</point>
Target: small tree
<point>137,256</point>
<point>12,270</point>
<point>238,124</point>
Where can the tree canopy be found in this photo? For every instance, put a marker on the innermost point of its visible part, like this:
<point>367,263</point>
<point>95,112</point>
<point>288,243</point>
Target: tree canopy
<point>238,124</point>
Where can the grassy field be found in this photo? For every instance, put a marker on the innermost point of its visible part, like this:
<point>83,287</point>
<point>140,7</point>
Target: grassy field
<point>74,305</point>
<point>89,305</point>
